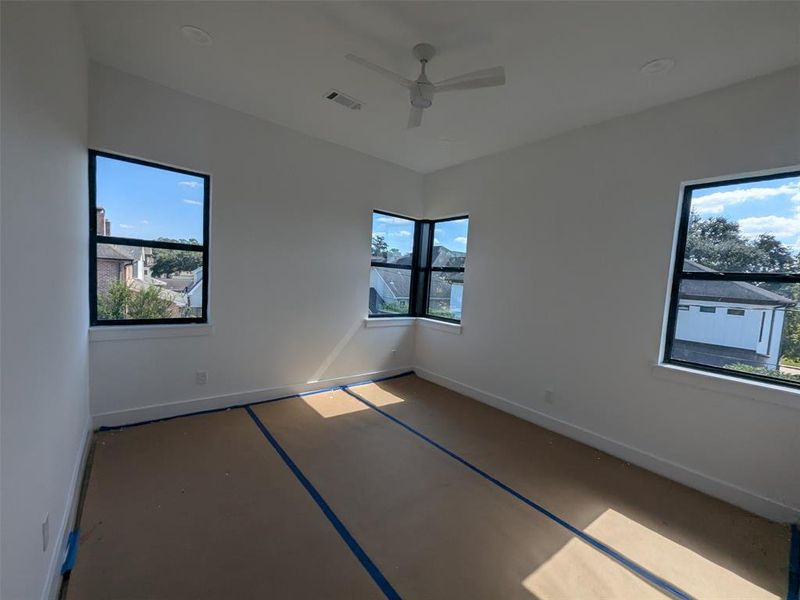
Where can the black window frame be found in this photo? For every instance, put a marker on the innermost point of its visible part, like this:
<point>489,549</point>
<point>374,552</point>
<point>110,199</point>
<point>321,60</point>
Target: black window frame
<point>95,239</point>
<point>421,268</point>
<point>679,275</point>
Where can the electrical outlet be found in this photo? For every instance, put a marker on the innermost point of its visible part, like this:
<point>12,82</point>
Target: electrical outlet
<point>45,532</point>
<point>201,377</point>
<point>548,397</point>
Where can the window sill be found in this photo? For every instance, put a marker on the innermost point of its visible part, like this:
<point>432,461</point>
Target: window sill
<point>409,321</point>
<point>389,321</point>
<point>141,332</point>
<point>440,325</point>
<point>725,384</point>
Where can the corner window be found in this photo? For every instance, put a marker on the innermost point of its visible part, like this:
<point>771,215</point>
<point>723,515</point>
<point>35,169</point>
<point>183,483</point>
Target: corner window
<point>392,254</point>
<point>148,249</point>
<point>417,267</point>
<point>738,251</point>
<point>448,253</point>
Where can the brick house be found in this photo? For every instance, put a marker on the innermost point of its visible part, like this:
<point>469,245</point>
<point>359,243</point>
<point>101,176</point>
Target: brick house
<point>119,263</point>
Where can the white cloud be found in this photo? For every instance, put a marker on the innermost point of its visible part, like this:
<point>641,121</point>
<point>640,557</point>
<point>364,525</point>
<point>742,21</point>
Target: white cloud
<point>715,202</point>
<point>192,202</point>
<point>401,233</point>
<point>780,227</point>
<point>126,226</point>
<point>460,240</point>
<point>392,220</point>
<point>436,241</point>
<point>145,222</point>
<point>190,184</point>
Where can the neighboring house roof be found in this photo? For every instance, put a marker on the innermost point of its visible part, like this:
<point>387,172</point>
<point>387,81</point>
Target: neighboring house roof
<point>198,283</point>
<point>176,283</point>
<point>176,298</point>
<point>398,280</point>
<point>444,257</point>
<point>115,252</point>
<point>727,291</point>
<point>440,257</point>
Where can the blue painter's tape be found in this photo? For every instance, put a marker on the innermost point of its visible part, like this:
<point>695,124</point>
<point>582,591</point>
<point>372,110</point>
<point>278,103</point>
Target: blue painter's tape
<point>351,542</point>
<point>794,565</point>
<point>368,381</point>
<point>163,419</point>
<point>72,551</point>
<point>589,539</point>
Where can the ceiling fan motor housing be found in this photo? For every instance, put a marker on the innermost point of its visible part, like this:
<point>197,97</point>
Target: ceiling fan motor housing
<point>422,94</point>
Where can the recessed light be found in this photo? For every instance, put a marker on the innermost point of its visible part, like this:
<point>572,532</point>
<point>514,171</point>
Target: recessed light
<point>657,66</point>
<point>196,35</point>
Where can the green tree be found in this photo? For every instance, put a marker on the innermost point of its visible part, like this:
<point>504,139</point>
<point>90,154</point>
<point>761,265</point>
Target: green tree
<point>379,246</point>
<point>790,345</point>
<point>718,243</point>
<point>169,262</point>
<point>122,302</point>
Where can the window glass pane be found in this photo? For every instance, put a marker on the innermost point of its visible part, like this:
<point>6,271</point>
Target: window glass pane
<point>446,292</point>
<point>745,227</point>
<point>389,291</point>
<point>748,327</point>
<point>392,239</point>
<point>148,283</point>
<point>450,243</point>
<point>148,203</point>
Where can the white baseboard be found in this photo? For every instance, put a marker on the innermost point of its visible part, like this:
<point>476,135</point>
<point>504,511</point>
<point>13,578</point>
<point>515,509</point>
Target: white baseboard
<point>53,583</point>
<point>731,493</point>
<point>186,407</point>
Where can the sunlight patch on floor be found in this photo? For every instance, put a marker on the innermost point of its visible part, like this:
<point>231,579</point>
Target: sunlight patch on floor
<point>337,403</point>
<point>688,570</point>
<point>579,571</point>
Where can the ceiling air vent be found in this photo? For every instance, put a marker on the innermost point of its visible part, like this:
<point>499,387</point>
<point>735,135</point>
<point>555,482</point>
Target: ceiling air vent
<point>344,100</point>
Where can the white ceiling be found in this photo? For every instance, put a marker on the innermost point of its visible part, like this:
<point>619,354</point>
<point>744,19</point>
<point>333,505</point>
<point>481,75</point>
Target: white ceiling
<point>568,64</point>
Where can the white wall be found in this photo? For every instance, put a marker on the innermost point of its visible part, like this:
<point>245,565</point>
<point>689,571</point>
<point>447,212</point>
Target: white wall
<point>44,318</point>
<point>289,278</point>
<point>569,253</point>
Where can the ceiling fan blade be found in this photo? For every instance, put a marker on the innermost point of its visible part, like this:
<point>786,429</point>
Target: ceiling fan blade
<point>476,79</point>
<point>414,117</point>
<point>378,69</point>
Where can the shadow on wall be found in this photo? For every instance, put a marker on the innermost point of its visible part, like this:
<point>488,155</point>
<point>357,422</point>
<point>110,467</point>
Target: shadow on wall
<point>337,350</point>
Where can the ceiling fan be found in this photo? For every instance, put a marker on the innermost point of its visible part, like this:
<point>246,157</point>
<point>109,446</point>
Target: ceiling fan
<point>422,90</point>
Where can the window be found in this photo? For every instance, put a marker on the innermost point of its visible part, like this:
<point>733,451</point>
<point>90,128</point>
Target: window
<point>446,281</point>
<point>738,251</point>
<point>391,271</point>
<point>417,267</point>
<point>148,249</point>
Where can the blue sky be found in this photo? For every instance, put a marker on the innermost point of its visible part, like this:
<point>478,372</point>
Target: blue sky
<point>149,203</point>
<point>451,234</point>
<point>771,207</point>
<point>399,233</point>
